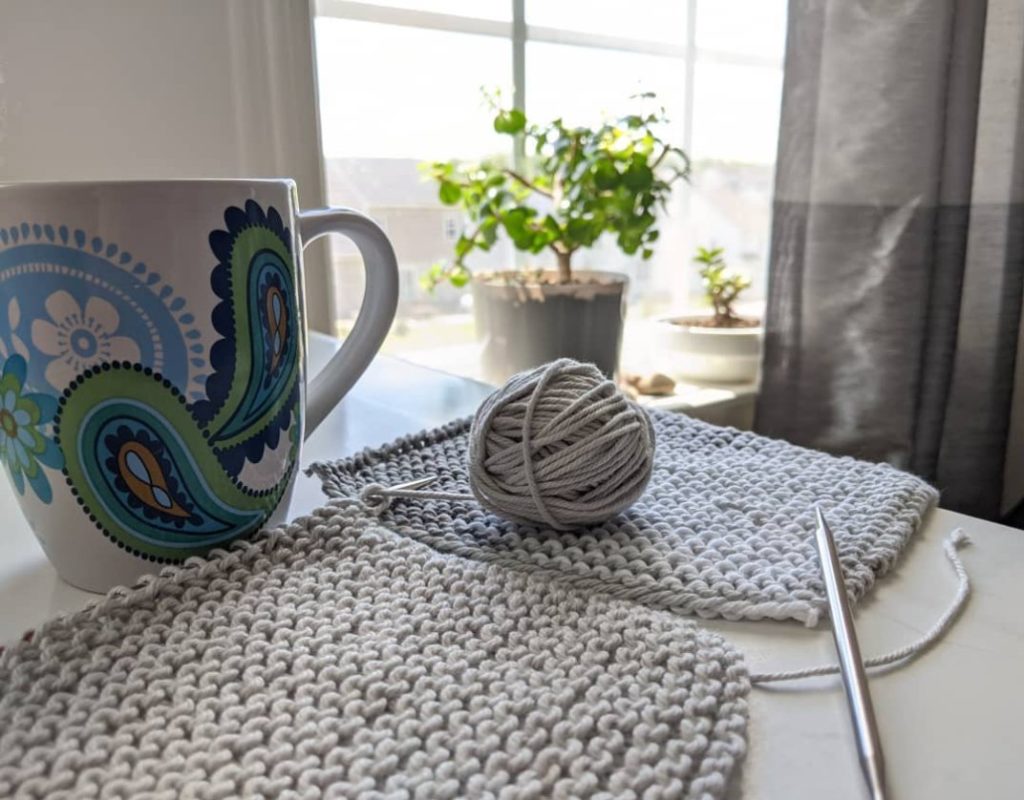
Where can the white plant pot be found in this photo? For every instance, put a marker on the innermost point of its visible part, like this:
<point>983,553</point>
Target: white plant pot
<point>715,355</point>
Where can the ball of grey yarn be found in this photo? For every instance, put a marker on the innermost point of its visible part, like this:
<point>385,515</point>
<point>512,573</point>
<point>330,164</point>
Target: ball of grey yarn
<point>560,445</point>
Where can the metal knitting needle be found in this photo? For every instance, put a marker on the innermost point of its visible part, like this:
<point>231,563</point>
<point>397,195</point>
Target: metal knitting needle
<point>855,682</point>
<point>419,483</point>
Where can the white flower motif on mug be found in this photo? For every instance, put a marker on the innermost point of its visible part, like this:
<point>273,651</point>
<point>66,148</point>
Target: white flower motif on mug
<point>79,338</point>
<point>13,319</point>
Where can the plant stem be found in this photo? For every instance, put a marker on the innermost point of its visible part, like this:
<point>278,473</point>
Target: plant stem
<point>527,182</point>
<point>659,159</point>
<point>564,265</point>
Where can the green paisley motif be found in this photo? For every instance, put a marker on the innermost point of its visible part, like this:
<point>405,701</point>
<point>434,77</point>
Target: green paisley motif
<point>202,503</point>
<point>248,407</point>
<point>165,479</point>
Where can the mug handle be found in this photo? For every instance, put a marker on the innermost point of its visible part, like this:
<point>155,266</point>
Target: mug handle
<point>376,313</point>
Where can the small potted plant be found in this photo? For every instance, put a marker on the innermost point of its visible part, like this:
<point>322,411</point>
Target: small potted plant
<point>576,184</point>
<point>723,346</point>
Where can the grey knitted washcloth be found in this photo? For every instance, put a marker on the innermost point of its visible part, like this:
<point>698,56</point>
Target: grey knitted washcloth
<point>724,529</point>
<point>334,658</point>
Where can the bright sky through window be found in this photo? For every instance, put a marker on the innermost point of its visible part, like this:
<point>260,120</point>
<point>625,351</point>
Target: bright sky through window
<point>398,86</point>
<point>427,83</point>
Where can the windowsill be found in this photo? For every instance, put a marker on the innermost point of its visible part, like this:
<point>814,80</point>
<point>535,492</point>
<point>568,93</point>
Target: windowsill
<point>721,404</point>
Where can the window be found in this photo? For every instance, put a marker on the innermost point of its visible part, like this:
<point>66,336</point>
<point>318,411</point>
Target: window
<point>400,83</point>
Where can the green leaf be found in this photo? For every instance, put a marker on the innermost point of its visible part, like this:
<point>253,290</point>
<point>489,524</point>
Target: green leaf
<point>605,175</point>
<point>450,193</point>
<point>433,276</point>
<point>510,121</point>
<point>516,223</point>
<point>488,234</point>
<point>638,177</point>
<point>579,230</point>
<point>459,277</point>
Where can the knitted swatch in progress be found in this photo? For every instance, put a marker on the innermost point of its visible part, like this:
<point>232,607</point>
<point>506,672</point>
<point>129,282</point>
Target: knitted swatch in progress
<point>333,658</point>
<point>725,527</point>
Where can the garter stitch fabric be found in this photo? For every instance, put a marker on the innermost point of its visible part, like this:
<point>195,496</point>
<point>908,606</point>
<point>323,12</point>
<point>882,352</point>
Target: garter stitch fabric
<point>724,529</point>
<point>333,658</point>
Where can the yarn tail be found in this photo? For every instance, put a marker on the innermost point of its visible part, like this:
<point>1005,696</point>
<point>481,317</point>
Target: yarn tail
<point>957,540</point>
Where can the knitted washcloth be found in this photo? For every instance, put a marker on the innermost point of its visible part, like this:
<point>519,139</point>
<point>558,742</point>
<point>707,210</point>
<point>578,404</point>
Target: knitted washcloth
<point>334,658</point>
<point>725,528</point>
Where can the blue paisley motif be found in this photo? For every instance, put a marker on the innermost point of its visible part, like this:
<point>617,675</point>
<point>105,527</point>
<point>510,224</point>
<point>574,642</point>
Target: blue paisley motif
<point>254,380</point>
<point>163,477</point>
<point>36,259</point>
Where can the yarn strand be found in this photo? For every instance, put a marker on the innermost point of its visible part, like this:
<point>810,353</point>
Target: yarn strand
<point>956,540</point>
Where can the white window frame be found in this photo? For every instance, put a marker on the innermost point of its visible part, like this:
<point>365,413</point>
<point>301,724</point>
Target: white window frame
<point>519,33</point>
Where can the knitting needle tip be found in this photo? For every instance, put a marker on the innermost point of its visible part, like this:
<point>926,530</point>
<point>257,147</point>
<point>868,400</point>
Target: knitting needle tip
<point>419,483</point>
<point>820,516</point>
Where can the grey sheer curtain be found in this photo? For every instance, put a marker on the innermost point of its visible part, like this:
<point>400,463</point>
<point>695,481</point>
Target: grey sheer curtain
<point>898,239</point>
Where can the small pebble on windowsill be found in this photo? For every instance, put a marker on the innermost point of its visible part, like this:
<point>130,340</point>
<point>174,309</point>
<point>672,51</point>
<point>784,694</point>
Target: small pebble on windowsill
<point>654,383</point>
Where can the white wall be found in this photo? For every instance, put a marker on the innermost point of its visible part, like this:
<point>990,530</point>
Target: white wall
<point>94,89</point>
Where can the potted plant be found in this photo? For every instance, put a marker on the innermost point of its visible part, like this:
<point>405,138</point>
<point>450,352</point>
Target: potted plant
<point>576,183</point>
<point>723,346</point>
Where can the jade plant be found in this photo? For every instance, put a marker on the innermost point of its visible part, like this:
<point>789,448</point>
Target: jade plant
<point>575,184</point>
<point>722,286</point>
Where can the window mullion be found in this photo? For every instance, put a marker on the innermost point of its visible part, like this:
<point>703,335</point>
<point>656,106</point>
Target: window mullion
<point>519,71</point>
<point>691,64</point>
<point>519,95</point>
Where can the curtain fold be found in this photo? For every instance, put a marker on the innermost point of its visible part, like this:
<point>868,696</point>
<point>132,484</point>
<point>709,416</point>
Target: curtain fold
<point>897,250</point>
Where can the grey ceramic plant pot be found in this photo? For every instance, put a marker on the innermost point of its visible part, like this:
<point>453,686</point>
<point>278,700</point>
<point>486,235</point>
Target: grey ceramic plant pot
<point>521,327</point>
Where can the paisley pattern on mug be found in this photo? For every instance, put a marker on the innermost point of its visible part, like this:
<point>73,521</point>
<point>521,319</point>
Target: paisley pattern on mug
<point>161,476</point>
<point>77,337</point>
<point>73,301</point>
<point>254,380</point>
<point>25,421</point>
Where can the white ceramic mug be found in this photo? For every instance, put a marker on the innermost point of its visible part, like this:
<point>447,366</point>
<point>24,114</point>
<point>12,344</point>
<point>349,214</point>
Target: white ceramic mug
<point>153,397</point>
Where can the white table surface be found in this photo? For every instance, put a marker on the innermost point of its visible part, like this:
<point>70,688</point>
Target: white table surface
<point>952,723</point>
